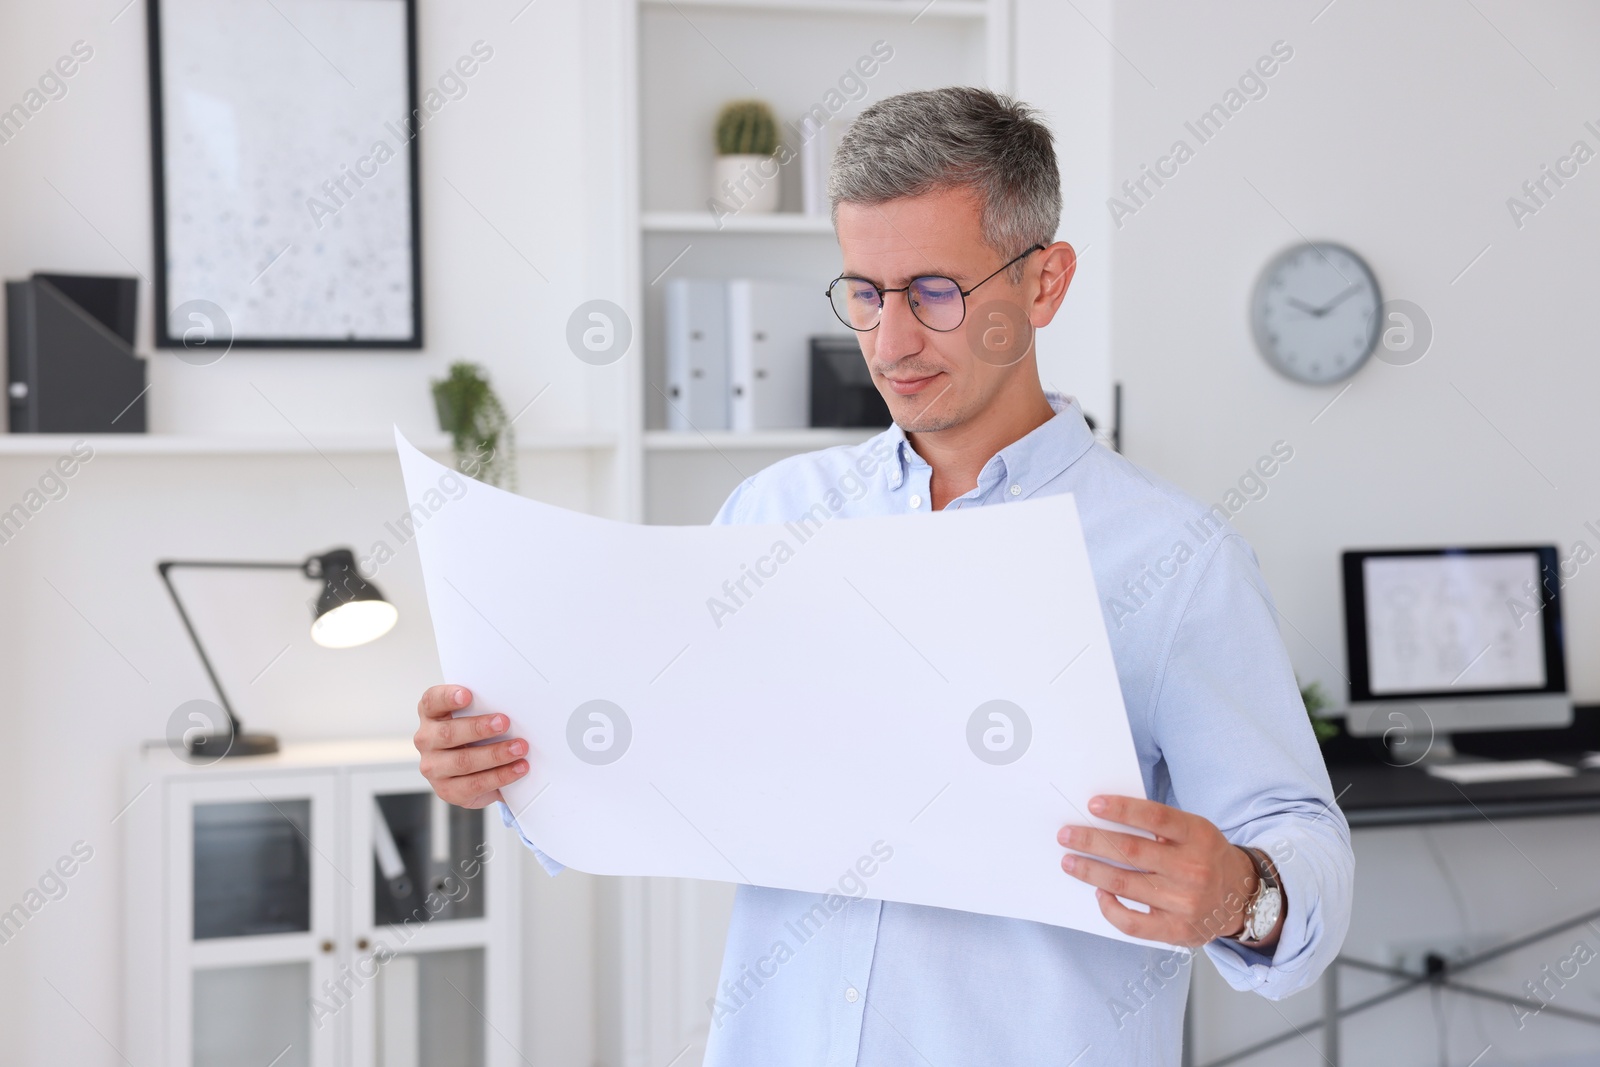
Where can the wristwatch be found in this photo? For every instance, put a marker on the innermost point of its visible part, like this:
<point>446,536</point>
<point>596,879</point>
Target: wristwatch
<point>1265,904</point>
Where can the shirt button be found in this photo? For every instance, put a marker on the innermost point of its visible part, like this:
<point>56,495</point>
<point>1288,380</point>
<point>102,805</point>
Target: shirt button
<point>851,995</point>
<point>916,500</point>
<point>1016,490</point>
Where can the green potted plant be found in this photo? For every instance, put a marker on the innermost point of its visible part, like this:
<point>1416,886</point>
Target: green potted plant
<point>1316,700</point>
<point>745,174</point>
<point>480,434</point>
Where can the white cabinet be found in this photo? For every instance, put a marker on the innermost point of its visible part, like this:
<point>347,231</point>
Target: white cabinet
<point>317,907</point>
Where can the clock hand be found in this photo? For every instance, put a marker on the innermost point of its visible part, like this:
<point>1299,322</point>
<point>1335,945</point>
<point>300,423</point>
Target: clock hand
<point>1307,308</point>
<point>1336,301</point>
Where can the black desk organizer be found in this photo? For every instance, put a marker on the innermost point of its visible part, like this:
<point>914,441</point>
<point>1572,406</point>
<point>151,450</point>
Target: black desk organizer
<point>70,364</point>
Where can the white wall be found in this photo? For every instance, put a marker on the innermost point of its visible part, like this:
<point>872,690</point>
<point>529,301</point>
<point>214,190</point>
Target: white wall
<point>92,655</point>
<point>1063,68</point>
<point>1400,130</point>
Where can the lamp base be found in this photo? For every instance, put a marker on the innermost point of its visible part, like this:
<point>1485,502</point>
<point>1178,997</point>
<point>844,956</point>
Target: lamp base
<point>253,745</point>
<point>243,744</point>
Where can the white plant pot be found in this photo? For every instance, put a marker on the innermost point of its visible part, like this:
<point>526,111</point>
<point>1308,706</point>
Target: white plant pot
<point>746,184</point>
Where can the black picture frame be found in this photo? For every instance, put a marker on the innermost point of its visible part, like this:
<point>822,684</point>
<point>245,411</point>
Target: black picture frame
<point>229,331</point>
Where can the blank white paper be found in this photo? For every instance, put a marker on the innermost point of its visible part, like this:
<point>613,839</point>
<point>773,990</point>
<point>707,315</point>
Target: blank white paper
<point>906,708</point>
<point>1500,770</point>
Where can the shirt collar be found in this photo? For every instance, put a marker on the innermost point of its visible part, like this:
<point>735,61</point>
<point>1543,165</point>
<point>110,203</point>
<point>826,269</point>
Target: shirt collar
<point>1028,462</point>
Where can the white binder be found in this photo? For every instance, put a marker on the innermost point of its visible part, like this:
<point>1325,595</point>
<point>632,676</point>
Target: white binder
<point>769,329</point>
<point>696,322</point>
<point>816,155</point>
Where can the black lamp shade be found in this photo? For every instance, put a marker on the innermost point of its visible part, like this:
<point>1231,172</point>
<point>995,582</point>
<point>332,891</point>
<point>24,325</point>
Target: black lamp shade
<point>350,611</point>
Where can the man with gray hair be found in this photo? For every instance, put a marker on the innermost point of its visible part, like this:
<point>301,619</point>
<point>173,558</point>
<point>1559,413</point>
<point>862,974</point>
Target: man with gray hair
<point>946,204</point>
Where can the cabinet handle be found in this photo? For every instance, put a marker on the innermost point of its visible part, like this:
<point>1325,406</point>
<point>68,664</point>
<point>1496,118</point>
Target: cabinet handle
<point>327,946</point>
<point>362,943</point>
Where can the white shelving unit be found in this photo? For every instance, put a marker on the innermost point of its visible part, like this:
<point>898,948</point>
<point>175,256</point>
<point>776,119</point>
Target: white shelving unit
<point>686,58</point>
<point>939,9</point>
<point>760,440</point>
<point>690,57</point>
<point>139,444</point>
<point>703,222</point>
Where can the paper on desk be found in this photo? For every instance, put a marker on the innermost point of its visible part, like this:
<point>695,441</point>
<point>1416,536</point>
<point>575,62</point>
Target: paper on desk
<point>1511,770</point>
<point>826,708</point>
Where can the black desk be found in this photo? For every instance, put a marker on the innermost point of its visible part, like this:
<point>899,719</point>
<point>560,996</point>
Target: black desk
<point>1378,788</point>
<point>1408,796</point>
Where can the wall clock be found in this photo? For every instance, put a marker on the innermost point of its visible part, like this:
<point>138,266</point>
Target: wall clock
<point>1314,313</point>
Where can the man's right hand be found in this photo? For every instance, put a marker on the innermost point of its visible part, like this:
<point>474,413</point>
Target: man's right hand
<point>468,776</point>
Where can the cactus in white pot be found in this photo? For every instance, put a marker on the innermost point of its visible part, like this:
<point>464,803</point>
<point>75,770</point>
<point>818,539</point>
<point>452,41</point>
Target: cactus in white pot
<point>745,175</point>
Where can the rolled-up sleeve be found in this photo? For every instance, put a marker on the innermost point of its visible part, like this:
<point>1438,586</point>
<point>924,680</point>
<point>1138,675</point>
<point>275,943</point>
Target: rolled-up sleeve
<point>1239,750</point>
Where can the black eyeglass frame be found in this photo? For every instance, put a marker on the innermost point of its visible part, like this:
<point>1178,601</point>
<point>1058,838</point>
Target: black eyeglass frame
<point>882,292</point>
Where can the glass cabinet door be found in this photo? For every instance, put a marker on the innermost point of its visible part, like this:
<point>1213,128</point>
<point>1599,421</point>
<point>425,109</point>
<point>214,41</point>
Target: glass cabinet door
<point>253,920</point>
<point>252,868</point>
<point>430,1010</point>
<point>426,859</point>
<point>275,1029</point>
<point>428,886</point>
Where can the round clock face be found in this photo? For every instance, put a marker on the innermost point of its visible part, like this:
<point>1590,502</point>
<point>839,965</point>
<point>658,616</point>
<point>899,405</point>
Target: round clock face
<point>1314,313</point>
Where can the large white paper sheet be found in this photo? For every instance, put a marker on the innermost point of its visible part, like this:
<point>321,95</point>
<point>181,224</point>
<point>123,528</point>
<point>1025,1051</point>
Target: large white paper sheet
<point>906,708</point>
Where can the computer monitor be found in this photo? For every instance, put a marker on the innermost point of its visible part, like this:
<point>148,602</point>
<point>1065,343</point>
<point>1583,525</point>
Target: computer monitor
<point>1446,640</point>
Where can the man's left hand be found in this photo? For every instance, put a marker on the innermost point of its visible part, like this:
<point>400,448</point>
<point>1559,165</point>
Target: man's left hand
<point>1194,881</point>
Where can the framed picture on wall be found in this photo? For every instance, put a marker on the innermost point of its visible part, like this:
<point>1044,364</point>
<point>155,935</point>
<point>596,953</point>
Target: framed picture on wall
<point>285,173</point>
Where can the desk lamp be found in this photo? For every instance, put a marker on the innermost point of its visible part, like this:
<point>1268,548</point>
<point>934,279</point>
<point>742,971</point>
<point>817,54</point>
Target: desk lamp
<point>349,612</point>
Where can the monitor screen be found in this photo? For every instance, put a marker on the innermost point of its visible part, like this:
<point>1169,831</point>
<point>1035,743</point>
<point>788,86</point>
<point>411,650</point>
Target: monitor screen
<point>1449,622</point>
<point>1441,622</point>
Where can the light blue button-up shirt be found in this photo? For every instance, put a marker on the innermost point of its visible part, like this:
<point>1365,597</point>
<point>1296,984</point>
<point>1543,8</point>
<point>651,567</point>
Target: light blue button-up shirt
<point>1220,731</point>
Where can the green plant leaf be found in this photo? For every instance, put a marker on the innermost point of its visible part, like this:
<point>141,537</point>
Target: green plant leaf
<point>481,437</point>
<point>1316,699</point>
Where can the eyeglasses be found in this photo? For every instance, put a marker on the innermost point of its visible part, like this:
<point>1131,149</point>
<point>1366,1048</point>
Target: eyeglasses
<point>938,302</point>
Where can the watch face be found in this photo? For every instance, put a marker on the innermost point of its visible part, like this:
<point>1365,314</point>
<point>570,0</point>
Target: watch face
<point>1314,313</point>
<point>1265,914</point>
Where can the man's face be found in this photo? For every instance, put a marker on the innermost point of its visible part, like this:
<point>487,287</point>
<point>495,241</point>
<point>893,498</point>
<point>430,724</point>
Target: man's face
<point>933,380</point>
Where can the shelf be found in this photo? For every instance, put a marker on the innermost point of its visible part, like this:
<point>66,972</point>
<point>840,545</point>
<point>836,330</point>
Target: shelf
<point>156,444</point>
<point>916,9</point>
<point>291,756</point>
<point>799,440</point>
<point>705,222</point>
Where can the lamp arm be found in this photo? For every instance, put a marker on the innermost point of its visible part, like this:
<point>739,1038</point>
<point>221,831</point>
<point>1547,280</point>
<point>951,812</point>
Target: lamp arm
<point>205,661</point>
